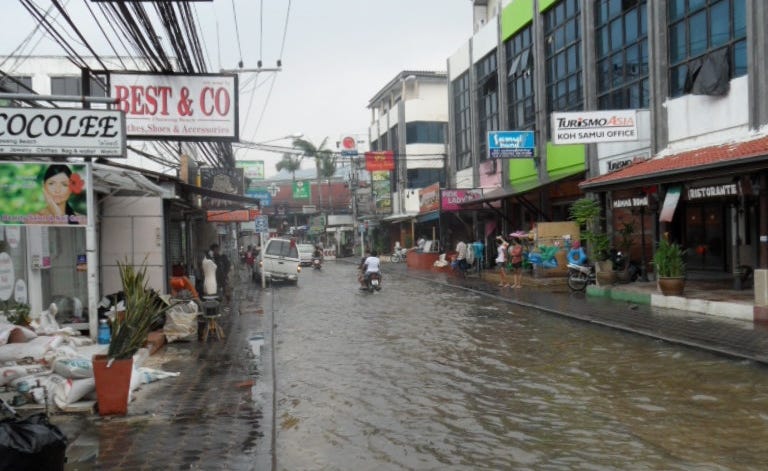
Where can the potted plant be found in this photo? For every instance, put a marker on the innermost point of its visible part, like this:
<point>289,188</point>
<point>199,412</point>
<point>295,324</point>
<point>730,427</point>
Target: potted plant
<point>669,265</point>
<point>587,213</point>
<point>130,328</point>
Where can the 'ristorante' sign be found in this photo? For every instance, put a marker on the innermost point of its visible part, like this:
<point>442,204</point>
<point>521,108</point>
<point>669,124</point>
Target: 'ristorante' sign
<point>62,132</point>
<point>712,191</point>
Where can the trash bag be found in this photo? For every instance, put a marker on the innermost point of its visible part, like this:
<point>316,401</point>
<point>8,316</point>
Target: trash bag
<point>32,443</point>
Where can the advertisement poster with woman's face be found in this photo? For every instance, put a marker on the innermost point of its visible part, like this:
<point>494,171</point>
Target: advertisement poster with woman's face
<point>50,194</point>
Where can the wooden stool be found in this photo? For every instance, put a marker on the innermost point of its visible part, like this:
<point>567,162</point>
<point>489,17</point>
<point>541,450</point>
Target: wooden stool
<point>210,315</point>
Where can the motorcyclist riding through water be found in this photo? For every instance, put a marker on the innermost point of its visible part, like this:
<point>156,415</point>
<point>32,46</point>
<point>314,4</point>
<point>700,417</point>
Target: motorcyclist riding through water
<point>370,265</point>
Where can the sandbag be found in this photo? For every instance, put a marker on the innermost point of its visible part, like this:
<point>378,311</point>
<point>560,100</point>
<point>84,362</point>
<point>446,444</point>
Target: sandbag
<point>13,372</point>
<point>35,349</point>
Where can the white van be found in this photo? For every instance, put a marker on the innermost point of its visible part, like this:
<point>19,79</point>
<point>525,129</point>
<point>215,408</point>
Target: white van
<point>280,260</point>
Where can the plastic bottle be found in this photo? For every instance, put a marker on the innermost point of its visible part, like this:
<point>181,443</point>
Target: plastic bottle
<point>104,333</point>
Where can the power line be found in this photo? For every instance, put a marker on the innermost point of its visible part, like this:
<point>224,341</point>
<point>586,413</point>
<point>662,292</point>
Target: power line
<point>237,34</point>
<point>285,31</point>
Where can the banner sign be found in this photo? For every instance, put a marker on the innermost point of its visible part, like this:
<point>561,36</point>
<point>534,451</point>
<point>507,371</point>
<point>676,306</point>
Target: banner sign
<point>301,189</point>
<point>53,132</point>
<point>381,186</point>
<point>670,204</point>
<point>722,190</point>
<point>43,194</point>
<point>511,144</point>
<point>635,202</point>
<point>223,180</point>
<point>429,198</point>
<point>451,200</point>
<point>586,127</point>
<point>375,161</point>
<point>178,107</point>
<point>238,215</point>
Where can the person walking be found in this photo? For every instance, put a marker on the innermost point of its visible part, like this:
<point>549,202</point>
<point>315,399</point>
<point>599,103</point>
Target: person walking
<point>461,257</point>
<point>516,262</point>
<point>501,261</point>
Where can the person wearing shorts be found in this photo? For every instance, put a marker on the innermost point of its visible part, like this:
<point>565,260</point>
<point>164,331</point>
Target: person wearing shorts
<point>516,262</point>
<point>501,261</point>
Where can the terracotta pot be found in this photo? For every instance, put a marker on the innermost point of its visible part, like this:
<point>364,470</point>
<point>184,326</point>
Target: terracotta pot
<point>113,383</point>
<point>671,286</point>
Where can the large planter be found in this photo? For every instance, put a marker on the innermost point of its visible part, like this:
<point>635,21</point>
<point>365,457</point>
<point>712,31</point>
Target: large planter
<point>604,274</point>
<point>113,383</point>
<point>671,286</point>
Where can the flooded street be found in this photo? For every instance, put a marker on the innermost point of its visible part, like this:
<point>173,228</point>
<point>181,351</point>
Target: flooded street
<point>422,376</point>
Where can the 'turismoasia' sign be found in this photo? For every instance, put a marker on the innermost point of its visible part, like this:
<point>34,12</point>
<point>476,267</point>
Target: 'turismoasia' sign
<point>178,107</point>
<point>584,127</point>
<point>61,132</point>
<point>451,200</point>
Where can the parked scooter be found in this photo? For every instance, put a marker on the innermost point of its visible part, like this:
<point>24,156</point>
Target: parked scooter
<point>622,264</point>
<point>579,276</point>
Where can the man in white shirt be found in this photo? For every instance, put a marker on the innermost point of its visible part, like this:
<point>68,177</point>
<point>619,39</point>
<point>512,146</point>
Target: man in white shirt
<point>461,256</point>
<point>372,264</point>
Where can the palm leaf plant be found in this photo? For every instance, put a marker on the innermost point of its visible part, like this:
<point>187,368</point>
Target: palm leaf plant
<point>669,259</point>
<point>143,308</point>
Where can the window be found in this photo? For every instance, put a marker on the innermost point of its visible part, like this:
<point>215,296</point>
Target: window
<point>702,31</point>
<point>487,99</point>
<point>562,57</point>
<point>394,140</point>
<point>521,111</point>
<point>425,132</point>
<point>423,177</point>
<point>462,121</point>
<point>16,84</point>
<point>621,42</point>
<point>71,86</point>
<point>375,145</point>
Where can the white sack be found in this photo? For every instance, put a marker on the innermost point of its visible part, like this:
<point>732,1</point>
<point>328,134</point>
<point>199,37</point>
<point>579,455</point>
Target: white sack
<point>34,349</point>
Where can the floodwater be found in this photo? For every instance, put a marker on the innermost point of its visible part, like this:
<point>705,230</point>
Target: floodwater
<point>420,376</point>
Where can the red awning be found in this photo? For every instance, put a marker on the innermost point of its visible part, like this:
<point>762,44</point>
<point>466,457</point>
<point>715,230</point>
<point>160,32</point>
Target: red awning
<point>722,159</point>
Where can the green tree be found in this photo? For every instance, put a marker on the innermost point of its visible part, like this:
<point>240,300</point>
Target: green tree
<point>290,163</point>
<point>327,169</point>
<point>318,153</point>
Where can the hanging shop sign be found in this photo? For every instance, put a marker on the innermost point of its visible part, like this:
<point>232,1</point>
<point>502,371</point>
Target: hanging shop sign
<point>178,107</point>
<point>223,180</point>
<point>262,194</point>
<point>43,194</point>
<point>511,145</point>
<point>586,127</point>
<point>238,215</point>
<point>62,132</point>
<point>723,190</point>
<point>253,170</point>
<point>451,200</point>
<point>383,160</point>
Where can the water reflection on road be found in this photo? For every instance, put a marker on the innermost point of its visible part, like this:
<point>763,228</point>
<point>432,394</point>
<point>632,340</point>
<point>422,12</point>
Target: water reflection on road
<point>420,376</point>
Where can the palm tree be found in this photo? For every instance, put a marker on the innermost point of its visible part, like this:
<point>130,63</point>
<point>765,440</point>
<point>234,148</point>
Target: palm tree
<point>315,152</point>
<point>290,163</point>
<point>327,169</point>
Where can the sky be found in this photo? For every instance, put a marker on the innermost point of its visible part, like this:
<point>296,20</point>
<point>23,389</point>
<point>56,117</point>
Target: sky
<point>336,55</point>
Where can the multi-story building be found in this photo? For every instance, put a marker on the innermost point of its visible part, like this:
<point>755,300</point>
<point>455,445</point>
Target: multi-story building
<point>653,106</point>
<point>409,116</point>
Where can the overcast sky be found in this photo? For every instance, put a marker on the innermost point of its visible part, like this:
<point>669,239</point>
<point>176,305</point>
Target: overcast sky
<point>337,54</point>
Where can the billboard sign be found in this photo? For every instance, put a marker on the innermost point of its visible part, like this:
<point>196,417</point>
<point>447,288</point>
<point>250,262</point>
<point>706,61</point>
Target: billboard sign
<point>429,198</point>
<point>301,189</point>
<point>349,146</point>
<point>53,132</point>
<point>253,170</point>
<point>177,106</point>
<point>511,145</point>
<point>383,160</point>
<point>451,200</point>
<point>586,127</point>
<point>262,194</point>
<point>43,194</point>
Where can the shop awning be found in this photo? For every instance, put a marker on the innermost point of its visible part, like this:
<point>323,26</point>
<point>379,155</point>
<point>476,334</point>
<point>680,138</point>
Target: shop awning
<point>427,217</point>
<point>518,190</point>
<point>395,218</point>
<point>125,182</point>
<point>724,159</point>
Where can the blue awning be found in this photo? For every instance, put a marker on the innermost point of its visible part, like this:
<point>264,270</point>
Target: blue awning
<point>426,217</point>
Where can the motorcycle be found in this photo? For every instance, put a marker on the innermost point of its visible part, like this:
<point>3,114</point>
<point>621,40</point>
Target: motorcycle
<point>399,255</point>
<point>317,264</point>
<point>373,281</point>
<point>626,269</point>
<point>579,276</point>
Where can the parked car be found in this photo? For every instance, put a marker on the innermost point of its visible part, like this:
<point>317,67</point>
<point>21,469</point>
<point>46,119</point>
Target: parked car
<point>280,260</point>
<point>305,254</point>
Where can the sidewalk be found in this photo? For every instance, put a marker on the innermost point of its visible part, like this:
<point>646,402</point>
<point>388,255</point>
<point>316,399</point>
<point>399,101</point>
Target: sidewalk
<point>635,307</point>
